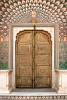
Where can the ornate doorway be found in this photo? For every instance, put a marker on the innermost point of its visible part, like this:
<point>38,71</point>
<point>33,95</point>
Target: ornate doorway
<point>33,59</point>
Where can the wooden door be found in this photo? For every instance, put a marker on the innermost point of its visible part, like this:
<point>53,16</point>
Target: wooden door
<point>24,59</point>
<point>42,59</point>
<point>33,59</point>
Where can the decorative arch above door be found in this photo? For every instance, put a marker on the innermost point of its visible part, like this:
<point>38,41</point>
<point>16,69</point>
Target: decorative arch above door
<point>33,59</point>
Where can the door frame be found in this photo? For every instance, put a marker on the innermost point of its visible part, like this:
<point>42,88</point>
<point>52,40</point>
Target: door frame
<point>12,37</point>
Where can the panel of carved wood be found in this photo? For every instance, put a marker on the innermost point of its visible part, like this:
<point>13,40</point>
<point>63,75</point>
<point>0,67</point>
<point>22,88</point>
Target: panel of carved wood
<point>24,48</point>
<point>42,59</point>
<point>40,37</point>
<point>43,48</point>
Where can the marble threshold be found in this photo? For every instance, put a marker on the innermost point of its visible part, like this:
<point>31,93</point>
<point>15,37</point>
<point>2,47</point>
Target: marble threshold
<point>33,92</point>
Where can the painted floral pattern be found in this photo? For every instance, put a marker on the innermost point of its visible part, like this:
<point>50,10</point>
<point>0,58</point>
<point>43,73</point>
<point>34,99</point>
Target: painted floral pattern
<point>19,11</point>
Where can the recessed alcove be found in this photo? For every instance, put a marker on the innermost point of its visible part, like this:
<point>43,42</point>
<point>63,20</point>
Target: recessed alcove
<point>50,28</point>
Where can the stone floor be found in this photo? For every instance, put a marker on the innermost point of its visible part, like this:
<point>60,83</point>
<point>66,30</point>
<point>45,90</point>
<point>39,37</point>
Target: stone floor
<point>33,94</point>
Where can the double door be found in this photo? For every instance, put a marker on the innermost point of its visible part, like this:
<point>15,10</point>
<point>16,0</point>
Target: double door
<point>33,59</point>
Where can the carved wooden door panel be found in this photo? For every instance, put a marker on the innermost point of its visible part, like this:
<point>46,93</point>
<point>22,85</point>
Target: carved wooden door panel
<point>42,59</point>
<point>24,59</point>
<point>33,59</point>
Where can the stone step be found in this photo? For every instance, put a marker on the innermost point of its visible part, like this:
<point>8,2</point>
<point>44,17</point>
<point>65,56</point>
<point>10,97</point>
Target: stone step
<point>33,94</point>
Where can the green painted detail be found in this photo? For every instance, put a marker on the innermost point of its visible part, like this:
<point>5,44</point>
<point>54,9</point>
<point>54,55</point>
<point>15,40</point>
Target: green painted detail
<point>7,7</point>
<point>58,6</point>
<point>65,5</point>
<point>63,65</point>
<point>14,0</point>
<point>62,1</point>
<point>3,66</point>
<point>53,8</point>
<point>52,1</point>
<point>5,0</point>
<point>0,16</point>
<point>63,55</point>
<point>55,4</point>
<point>16,5</point>
<point>11,2</point>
